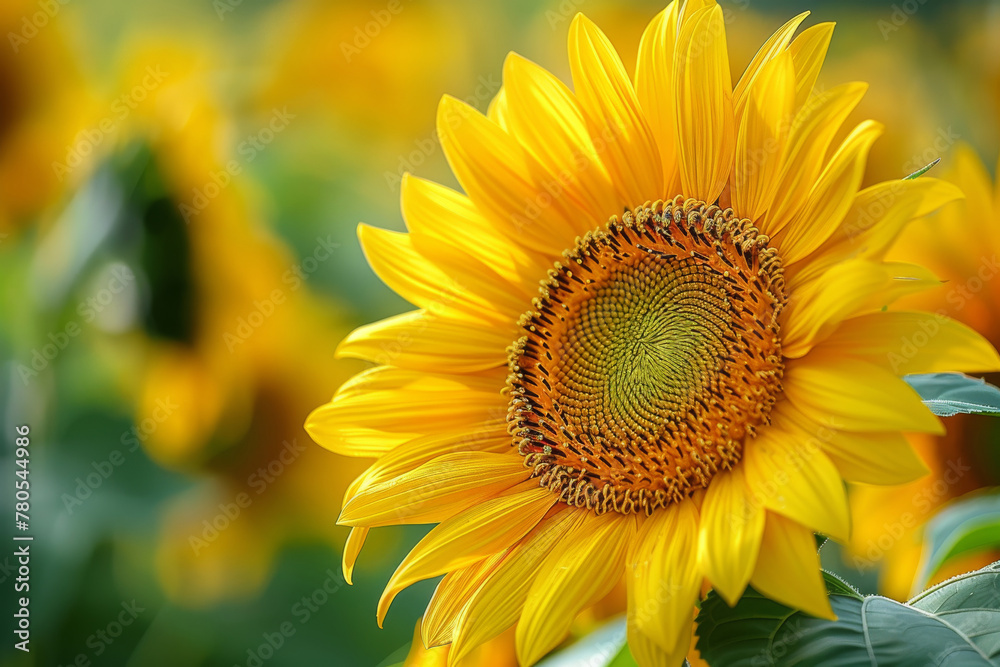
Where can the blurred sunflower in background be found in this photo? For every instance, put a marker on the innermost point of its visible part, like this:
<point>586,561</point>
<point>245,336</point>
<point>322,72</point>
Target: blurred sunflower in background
<point>671,395</point>
<point>961,245</point>
<point>238,344</point>
<point>46,103</point>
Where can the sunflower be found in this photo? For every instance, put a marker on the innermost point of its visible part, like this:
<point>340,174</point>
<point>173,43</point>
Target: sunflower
<point>651,342</point>
<point>962,246</point>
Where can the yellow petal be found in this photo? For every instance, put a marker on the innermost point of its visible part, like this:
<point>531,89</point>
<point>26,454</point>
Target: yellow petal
<point>481,531</point>
<point>497,110</point>
<point>869,458</point>
<point>580,569</point>
<point>774,46</point>
<point>654,89</point>
<point>414,453</point>
<point>546,118</point>
<point>853,395</point>
<point>831,197</point>
<point>848,289</point>
<point>477,296</point>
<point>789,474</point>
<point>419,656</point>
<point>812,131</point>
<point>808,52</point>
<point>385,407</point>
<point>877,216</point>
<point>788,570</point>
<point>663,574</point>
<point>703,98</point>
<point>908,342</point>
<point>352,548</point>
<point>425,341</point>
<point>618,127</point>
<point>450,597</point>
<point>732,523</point>
<point>763,137</point>
<point>648,653</point>
<point>447,228</point>
<point>505,182</point>
<point>435,490</point>
<point>496,605</point>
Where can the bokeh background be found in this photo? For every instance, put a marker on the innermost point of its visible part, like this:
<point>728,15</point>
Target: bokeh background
<point>180,183</point>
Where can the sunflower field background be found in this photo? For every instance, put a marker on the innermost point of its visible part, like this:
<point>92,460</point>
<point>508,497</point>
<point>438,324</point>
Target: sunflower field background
<point>180,186</point>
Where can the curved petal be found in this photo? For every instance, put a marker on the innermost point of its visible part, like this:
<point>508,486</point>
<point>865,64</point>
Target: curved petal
<point>352,549</point>
<point>846,290</point>
<point>853,395</point>
<point>788,570</point>
<point>545,117</point>
<point>479,532</point>
<point>869,458</point>
<point>648,653</point>
<point>654,89</point>
<point>435,490</point>
<point>663,574</point>
<point>618,127</point>
<point>763,137</point>
<point>877,216</point>
<point>808,52</point>
<point>580,570</point>
<point>831,197</point>
<point>497,603</point>
<point>732,523</point>
<point>384,407</point>
<point>452,592</point>
<point>505,182</point>
<point>912,342</point>
<point>418,280</point>
<point>447,228</point>
<point>813,129</point>
<point>414,453</point>
<point>772,48</point>
<point>703,98</point>
<point>789,474</point>
<point>427,341</point>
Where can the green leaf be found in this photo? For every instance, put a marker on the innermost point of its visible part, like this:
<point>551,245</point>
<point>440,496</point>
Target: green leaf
<point>948,394</point>
<point>968,525</point>
<point>873,631</point>
<point>971,603</point>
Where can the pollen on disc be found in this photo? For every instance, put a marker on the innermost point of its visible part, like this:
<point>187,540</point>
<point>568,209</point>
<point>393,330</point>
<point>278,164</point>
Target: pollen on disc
<point>651,356</point>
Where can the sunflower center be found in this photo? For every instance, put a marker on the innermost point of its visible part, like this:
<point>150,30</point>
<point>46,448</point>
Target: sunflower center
<point>651,356</point>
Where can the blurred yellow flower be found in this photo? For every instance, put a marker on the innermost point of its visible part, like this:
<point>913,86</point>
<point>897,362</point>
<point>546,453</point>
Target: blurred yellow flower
<point>46,103</point>
<point>249,347</point>
<point>694,380</point>
<point>960,245</point>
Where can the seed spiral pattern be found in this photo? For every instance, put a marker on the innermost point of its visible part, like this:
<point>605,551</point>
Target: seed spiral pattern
<point>650,357</point>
